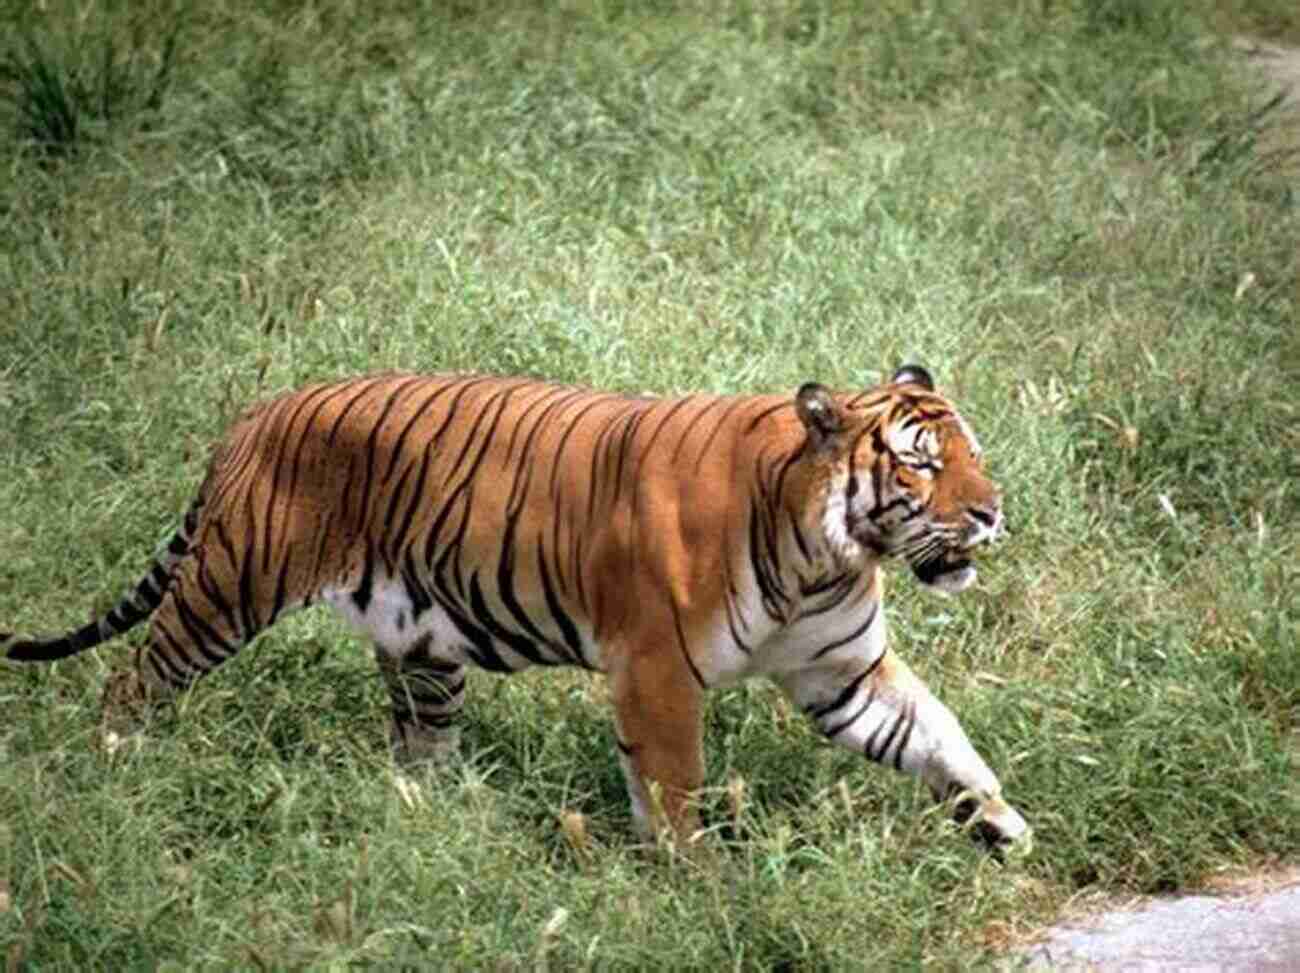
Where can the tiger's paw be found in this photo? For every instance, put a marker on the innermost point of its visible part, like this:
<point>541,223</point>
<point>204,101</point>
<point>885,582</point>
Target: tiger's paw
<point>995,824</point>
<point>415,745</point>
<point>127,703</point>
<point>125,708</point>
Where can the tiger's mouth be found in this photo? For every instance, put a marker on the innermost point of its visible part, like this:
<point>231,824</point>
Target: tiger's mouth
<point>946,572</point>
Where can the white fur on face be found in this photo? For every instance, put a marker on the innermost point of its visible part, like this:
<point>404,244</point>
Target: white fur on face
<point>951,583</point>
<point>835,522</point>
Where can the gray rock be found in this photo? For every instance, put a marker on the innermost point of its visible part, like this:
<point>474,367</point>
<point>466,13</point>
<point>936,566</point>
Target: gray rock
<point>1200,933</point>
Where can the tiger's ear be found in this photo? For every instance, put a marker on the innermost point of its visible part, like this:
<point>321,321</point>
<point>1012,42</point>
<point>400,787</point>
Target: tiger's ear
<point>913,375</point>
<point>818,413</point>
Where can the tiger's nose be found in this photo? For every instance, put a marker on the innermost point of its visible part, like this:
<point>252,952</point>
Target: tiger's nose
<point>984,524</point>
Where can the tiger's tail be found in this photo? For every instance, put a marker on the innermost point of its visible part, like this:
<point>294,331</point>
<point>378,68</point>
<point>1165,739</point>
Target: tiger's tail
<point>136,605</point>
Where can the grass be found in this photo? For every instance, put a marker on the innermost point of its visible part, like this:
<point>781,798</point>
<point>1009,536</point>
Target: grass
<point>1062,208</point>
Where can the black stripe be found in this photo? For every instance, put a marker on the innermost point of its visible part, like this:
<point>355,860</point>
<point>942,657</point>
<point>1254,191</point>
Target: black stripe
<point>843,725</point>
<point>403,715</point>
<point>910,710</point>
<point>46,651</point>
<point>125,614</point>
<point>879,755</point>
<point>824,583</point>
<point>281,586</point>
<point>480,650</point>
<point>334,392</point>
<point>877,469</point>
<point>800,542</point>
<point>600,458</point>
<point>390,544</point>
<point>372,442</point>
<point>568,630</point>
<point>710,403</point>
<point>250,621</point>
<point>361,597</point>
<point>771,594</point>
<point>419,596</point>
<point>848,638</point>
<point>778,491</point>
<point>560,396</point>
<point>681,642</point>
<point>159,578</point>
<point>506,585</point>
<point>398,538</point>
<point>770,410</point>
<point>274,494</point>
<point>499,399</point>
<point>174,671</point>
<point>396,495</point>
<point>629,433</point>
<point>360,393</point>
<point>202,634</point>
<point>845,586</point>
<point>733,406</point>
<point>667,417</point>
<point>845,695</point>
<point>345,504</point>
<point>324,530</point>
<point>871,740</point>
<point>162,674</point>
<point>879,510</point>
<point>521,644</point>
<point>557,463</point>
<point>732,614</point>
<point>213,593</point>
<point>400,443</point>
<point>465,486</point>
<point>86,637</point>
<point>451,559</point>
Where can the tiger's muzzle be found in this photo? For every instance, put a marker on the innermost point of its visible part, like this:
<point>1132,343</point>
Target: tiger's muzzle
<point>948,569</point>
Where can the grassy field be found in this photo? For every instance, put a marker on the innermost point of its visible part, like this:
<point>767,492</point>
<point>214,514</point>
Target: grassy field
<point>1063,208</point>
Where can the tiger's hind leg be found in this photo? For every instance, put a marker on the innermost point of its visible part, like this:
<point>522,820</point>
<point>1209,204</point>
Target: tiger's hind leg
<point>199,624</point>
<point>427,694</point>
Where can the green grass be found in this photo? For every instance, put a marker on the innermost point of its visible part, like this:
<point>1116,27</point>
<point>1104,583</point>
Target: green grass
<point>1062,208</point>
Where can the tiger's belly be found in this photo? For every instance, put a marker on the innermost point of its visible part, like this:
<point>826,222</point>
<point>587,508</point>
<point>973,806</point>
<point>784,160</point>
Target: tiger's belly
<point>480,634</point>
<point>487,634</point>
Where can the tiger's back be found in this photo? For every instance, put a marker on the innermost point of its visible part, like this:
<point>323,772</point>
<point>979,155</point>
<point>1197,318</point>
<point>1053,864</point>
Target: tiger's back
<point>523,514</point>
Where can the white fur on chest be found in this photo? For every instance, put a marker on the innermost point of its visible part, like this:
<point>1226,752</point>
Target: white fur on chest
<point>855,628</point>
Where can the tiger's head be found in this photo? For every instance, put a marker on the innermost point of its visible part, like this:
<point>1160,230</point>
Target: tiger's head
<point>903,477</point>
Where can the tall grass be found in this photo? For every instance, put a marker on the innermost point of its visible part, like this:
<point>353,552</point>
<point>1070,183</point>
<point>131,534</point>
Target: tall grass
<point>1060,207</point>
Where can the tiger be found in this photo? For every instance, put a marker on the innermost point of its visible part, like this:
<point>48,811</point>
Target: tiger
<point>676,545</point>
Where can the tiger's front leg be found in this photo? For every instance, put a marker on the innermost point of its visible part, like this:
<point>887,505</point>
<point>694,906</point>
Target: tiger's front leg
<point>658,706</point>
<point>882,710</point>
